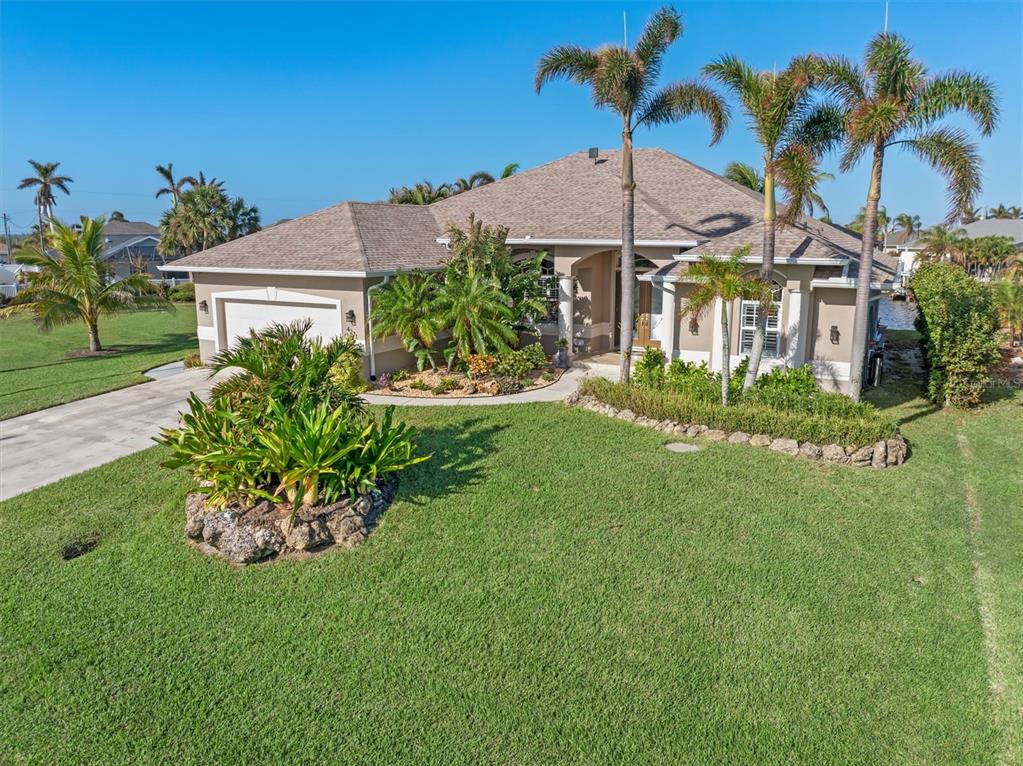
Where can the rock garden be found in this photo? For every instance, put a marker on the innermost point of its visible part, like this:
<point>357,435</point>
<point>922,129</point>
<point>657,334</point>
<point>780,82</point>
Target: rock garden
<point>285,458</point>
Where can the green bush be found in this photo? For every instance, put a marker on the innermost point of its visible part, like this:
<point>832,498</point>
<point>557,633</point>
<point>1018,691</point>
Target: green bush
<point>306,453</point>
<point>958,321</point>
<point>667,404</point>
<point>649,368</point>
<point>419,385</point>
<point>193,360</point>
<point>518,362</point>
<point>183,293</point>
<point>399,375</point>
<point>444,385</point>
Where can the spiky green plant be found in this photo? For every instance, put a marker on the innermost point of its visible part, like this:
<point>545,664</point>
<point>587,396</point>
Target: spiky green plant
<point>890,101</point>
<point>406,307</point>
<point>625,81</point>
<point>478,314</point>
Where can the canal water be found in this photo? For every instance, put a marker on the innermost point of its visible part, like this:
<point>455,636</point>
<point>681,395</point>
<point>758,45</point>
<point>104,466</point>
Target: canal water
<point>897,315</point>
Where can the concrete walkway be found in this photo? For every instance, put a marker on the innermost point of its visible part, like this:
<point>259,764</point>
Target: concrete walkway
<point>42,447</point>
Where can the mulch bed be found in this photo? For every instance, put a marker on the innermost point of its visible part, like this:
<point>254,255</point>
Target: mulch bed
<point>431,384</point>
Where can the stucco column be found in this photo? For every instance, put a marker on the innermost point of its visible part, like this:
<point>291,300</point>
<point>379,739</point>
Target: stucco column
<point>566,309</point>
<point>799,326</point>
<point>668,320</point>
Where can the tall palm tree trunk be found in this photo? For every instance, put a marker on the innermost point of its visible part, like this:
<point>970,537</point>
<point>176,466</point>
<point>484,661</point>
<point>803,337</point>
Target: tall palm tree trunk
<point>863,278</point>
<point>49,216</point>
<point>766,274</point>
<point>39,213</point>
<point>628,256</point>
<point>726,351</point>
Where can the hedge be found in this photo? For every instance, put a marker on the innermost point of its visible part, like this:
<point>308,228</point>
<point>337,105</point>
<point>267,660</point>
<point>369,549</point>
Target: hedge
<point>958,322</point>
<point>751,418</point>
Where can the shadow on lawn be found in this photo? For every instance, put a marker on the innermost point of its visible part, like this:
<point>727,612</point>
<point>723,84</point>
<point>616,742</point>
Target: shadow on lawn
<point>168,342</point>
<point>457,454</point>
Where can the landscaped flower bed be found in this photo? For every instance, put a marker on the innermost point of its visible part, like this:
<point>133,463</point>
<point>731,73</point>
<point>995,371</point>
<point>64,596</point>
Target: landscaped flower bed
<point>441,383</point>
<point>285,458</point>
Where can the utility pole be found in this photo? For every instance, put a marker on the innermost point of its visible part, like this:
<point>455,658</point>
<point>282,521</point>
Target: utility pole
<point>886,17</point>
<point>7,236</point>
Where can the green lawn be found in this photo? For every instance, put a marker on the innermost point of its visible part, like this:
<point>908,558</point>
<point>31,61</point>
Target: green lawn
<point>36,371</point>
<point>553,587</point>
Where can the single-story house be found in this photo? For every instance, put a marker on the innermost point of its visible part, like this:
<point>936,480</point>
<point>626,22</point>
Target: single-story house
<point>132,247</point>
<point>326,266</point>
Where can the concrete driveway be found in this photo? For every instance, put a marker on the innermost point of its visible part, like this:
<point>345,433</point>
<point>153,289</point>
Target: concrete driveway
<point>42,447</point>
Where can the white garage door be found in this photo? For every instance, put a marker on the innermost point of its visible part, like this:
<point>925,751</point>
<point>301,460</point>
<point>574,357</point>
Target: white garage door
<point>242,316</point>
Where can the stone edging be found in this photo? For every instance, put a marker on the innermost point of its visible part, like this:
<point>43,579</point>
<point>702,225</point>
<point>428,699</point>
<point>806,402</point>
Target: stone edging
<point>265,531</point>
<point>883,454</point>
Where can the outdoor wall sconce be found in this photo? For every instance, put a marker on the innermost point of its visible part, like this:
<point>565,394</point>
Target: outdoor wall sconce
<point>834,334</point>
<point>350,316</point>
<point>694,327</point>
<point>204,307</point>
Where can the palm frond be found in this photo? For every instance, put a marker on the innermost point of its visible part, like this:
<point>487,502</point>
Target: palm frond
<point>745,175</point>
<point>663,28</point>
<point>956,91</point>
<point>685,99</point>
<point>951,153</point>
<point>565,61</point>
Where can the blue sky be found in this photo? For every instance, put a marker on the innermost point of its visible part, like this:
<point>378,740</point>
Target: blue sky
<point>299,106</point>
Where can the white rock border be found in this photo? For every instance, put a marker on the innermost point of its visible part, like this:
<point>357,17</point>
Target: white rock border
<point>886,453</point>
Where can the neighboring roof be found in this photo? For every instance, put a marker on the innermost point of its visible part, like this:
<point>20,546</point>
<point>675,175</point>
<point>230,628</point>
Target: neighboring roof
<point>129,243</point>
<point>573,198</point>
<point>7,277</point>
<point>901,238</point>
<point>808,239</point>
<point>353,237</point>
<point>996,227</point>
<point>128,228</point>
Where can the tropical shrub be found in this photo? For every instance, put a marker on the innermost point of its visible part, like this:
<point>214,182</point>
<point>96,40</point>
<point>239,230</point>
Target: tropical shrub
<point>958,320</point>
<point>282,364</point>
<point>399,375</point>
<point>516,363</point>
<point>193,360</point>
<point>693,380</point>
<point>406,306</point>
<point>649,370</point>
<point>444,385</point>
<point>751,418</point>
<point>183,293</point>
<point>303,454</point>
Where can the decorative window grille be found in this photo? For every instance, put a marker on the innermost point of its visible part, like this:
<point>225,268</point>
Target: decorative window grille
<point>748,323</point>
<point>551,294</point>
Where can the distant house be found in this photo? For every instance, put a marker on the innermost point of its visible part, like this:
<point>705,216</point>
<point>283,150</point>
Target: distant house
<point>132,247</point>
<point>8,282</point>
<point>907,249</point>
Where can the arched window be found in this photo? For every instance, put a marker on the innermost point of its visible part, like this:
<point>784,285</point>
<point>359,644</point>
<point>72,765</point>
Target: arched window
<point>748,323</point>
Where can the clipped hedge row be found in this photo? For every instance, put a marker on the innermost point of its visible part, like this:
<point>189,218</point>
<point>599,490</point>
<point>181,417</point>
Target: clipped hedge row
<point>959,323</point>
<point>751,418</point>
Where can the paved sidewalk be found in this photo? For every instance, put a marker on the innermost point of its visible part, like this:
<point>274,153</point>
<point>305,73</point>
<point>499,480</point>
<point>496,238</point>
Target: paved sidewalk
<point>42,447</point>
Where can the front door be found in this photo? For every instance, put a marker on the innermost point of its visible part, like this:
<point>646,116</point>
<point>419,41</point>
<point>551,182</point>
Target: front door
<point>648,315</point>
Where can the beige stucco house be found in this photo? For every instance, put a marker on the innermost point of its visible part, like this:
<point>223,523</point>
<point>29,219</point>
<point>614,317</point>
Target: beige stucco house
<point>326,266</point>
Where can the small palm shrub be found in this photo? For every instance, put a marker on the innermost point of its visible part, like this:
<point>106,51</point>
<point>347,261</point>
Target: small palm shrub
<point>280,363</point>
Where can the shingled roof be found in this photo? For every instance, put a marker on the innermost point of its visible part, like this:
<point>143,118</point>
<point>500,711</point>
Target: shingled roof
<point>573,198</point>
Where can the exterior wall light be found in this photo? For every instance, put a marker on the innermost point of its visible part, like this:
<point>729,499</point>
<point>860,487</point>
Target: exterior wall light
<point>834,334</point>
<point>204,307</point>
<point>350,316</point>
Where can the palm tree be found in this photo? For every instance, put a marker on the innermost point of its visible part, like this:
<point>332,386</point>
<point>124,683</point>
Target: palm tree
<point>1009,299</point>
<point>406,307</point>
<point>1002,212</point>
<point>424,193</point>
<point>624,81</point>
<point>175,188</point>
<point>793,134</point>
<point>813,197</point>
<point>477,179</point>
<point>45,181</point>
<point>117,215</point>
<point>882,223</point>
<point>721,280</point>
<point>943,244</point>
<point>969,215</point>
<point>477,313</point>
<point>76,285</point>
<point>745,175</point>
<point>242,219</point>
<point>908,223</point>
<point>892,102</point>
<point>510,169</point>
